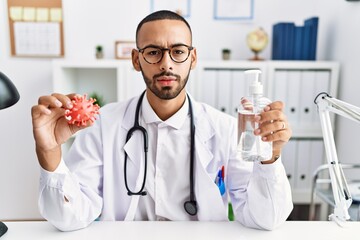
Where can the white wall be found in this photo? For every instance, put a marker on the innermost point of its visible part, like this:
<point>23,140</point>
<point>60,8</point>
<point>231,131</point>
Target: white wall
<point>91,22</point>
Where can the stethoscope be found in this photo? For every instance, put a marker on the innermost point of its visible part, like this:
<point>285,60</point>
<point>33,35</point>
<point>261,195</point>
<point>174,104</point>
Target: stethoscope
<point>190,206</point>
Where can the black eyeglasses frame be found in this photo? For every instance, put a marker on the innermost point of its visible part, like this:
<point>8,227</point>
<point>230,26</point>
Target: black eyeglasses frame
<point>141,50</point>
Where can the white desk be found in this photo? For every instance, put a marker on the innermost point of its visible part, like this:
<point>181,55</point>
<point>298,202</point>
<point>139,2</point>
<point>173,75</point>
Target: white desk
<point>183,230</point>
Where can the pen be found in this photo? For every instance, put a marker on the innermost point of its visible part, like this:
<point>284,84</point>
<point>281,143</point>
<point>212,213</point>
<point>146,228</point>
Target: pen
<point>220,180</point>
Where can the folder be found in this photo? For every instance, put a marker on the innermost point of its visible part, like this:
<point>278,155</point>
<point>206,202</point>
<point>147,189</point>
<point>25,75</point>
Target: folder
<point>238,90</point>
<point>292,42</point>
<point>292,105</point>
<point>223,89</point>
<point>312,24</point>
<point>307,93</point>
<point>283,34</point>
<point>209,95</point>
<point>298,39</point>
<point>289,159</point>
<point>306,42</point>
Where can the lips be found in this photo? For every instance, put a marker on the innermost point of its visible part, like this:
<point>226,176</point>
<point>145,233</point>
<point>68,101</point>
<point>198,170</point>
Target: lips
<point>166,80</point>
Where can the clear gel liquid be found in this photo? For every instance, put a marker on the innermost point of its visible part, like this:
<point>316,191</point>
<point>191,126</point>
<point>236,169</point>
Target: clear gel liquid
<point>251,147</point>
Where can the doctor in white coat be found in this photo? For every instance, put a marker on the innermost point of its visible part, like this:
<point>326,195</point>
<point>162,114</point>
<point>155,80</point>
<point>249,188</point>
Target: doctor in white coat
<point>90,183</point>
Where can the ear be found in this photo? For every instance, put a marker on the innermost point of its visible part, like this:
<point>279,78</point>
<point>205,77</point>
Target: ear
<point>193,56</point>
<point>135,59</point>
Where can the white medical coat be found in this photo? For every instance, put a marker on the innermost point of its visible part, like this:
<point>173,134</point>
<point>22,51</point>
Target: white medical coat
<point>90,184</point>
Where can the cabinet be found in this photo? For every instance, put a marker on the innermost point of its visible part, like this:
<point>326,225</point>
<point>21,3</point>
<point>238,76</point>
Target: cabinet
<point>222,84</point>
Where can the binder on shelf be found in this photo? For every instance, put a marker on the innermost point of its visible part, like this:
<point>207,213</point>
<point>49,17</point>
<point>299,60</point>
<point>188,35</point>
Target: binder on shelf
<point>292,107</point>
<point>292,42</point>
<point>209,96</point>
<point>223,86</point>
<point>306,43</point>
<point>289,159</point>
<point>282,47</point>
<point>289,42</point>
<point>298,39</point>
<point>312,23</point>
<point>307,92</point>
<point>238,90</point>
<point>276,42</point>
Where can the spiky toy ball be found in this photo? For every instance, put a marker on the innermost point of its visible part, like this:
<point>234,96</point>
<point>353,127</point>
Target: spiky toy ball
<point>83,110</point>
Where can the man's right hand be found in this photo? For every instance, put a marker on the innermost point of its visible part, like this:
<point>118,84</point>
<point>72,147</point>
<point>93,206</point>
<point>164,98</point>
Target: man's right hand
<point>51,128</point>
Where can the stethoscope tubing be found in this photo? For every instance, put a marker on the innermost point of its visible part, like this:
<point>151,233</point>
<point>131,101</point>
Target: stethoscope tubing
<point>190,206</point>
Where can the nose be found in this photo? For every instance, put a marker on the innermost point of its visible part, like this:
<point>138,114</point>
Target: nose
<point>166,62</point>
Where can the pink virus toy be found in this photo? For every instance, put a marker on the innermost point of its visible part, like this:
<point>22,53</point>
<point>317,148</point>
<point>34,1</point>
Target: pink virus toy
<point>83,110</point>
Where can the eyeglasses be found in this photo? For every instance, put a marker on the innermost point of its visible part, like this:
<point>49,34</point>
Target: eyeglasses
<point>178,53</point>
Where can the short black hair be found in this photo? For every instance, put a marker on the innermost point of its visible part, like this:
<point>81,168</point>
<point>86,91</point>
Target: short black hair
<point>162,15</point>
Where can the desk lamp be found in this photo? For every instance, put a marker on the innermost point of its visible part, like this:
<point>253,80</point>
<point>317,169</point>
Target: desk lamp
<point>8,97</point>
<point>8,92</point>
<point>340,189</point>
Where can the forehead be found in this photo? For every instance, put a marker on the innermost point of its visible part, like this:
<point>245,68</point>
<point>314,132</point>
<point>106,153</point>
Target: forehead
<point>164,33</point>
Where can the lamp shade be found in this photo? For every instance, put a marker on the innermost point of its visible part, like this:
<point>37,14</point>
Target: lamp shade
<point>8,92</point>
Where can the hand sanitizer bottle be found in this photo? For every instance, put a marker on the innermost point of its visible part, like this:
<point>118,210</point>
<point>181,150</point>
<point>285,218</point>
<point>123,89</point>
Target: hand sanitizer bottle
<point>251,147</point>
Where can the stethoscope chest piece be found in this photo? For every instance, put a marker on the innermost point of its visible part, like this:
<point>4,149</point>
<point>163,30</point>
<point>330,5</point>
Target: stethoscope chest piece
<point>190,207</point>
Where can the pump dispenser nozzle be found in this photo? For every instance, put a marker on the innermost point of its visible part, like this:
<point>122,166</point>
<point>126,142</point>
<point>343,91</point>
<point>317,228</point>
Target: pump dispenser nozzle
<point>256,86</point>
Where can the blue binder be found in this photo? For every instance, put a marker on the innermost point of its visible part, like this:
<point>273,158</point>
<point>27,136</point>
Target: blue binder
<point>292,42</point>
<point>298,42</point>
<point>312,23</point>
<point>282,41</point>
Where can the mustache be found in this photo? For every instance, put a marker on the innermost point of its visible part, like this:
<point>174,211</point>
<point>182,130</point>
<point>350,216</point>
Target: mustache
<point>166,74</point>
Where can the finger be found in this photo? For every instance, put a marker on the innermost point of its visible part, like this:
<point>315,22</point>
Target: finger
<point>49,101</point>
<point>283,136</point>
<point>246,104</point>
<point>38,110</point>
<point>56,100</point>
<point>277,105</point>
<point>283,125</point>
<point>271,127</point>
<point>65,99</point>
<point>271,116</point>
<point>73,95</point>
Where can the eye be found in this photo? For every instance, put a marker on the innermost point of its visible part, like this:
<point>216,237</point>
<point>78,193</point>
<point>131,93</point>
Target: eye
<point>153,52</point>
<point>178,51</point>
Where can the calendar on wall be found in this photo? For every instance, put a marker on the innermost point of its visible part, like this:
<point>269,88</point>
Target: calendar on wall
<point>36,28</point>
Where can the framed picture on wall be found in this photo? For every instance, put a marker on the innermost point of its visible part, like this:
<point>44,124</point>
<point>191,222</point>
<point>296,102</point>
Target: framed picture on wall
<point>181,7</point>
<point>123,49</point>
<point>235,10</point>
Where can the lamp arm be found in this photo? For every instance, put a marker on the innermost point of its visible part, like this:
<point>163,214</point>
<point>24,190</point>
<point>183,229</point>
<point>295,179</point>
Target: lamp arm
<point>342,196</point>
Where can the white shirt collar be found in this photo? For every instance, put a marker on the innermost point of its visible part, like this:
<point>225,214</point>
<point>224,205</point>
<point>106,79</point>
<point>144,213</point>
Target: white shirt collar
<point>176,121</point>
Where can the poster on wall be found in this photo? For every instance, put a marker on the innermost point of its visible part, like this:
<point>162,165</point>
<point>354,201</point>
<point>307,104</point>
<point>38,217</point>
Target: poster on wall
<point>181,7</point>
<point>233,9</point>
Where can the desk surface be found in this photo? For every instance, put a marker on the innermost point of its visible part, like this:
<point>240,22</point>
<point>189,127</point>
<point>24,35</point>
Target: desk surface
<point>293,230</point>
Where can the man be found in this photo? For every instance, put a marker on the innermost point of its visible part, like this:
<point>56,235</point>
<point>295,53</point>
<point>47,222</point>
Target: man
<point>104,174</point>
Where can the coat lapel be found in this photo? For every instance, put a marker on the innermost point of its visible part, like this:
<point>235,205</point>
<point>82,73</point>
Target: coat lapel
<point>135,159</point>
<point>211,205</point>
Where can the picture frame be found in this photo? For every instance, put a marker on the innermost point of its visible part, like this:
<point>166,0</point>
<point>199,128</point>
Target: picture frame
<point>123,49</point>
<point>234,10</point>
<point>181,7</point>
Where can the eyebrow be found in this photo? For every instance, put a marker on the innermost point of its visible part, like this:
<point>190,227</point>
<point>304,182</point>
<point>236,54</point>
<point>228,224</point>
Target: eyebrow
<point>157,46</point>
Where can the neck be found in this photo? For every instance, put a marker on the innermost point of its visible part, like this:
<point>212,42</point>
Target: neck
<point>164,109</point>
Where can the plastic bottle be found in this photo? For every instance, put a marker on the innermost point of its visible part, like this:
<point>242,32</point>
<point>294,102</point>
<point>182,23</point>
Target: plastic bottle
<point>251,147</point>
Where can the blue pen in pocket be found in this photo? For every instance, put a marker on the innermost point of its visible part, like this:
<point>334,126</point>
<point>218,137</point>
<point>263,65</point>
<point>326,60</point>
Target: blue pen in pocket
<point>219,181</point>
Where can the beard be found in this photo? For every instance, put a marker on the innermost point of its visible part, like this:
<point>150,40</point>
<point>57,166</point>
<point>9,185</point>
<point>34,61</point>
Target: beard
<point>165,92</point>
